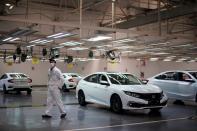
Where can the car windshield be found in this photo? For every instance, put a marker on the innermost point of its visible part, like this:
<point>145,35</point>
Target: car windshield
<point>124,79</point>
<point>73,75</point>
<point>194,74</point>
<point>22,75</point>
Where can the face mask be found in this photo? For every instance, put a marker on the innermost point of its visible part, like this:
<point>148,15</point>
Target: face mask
<point>52,65</point>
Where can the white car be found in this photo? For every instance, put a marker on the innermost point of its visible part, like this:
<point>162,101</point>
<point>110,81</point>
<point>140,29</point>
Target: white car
<point>15,82</point>
<point>179,85</point>
<point>71,81</point>
<point>119,91</point>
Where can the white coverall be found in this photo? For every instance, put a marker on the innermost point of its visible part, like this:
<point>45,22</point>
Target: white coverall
<point>55,82</point>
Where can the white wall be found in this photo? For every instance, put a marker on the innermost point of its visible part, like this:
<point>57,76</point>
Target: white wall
<point>39,74</point>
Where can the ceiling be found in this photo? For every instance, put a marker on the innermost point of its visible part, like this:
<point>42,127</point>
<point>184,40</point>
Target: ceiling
<point>141,29</point>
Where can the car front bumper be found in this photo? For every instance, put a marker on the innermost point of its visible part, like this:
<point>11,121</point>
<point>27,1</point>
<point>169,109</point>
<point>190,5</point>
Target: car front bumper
<point>136,103</point>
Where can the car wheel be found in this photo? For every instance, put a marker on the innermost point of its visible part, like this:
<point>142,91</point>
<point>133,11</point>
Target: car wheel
<point>29,92</point>
<point>64,88</point>
<point>5,90</point>
<point>116,104</point>
<point>81,98</point>
<point>155,109</point>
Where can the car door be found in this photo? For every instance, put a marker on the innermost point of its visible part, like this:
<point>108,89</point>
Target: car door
<point>90,86</point>
<point>168,83</point>
<point>186,86</point>
<point>101,90</point>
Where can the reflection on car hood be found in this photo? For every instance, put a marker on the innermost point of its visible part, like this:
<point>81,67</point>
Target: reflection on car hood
<point>140,88</point>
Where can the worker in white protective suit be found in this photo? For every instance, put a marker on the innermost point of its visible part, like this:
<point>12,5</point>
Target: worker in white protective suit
<point>55,82</point>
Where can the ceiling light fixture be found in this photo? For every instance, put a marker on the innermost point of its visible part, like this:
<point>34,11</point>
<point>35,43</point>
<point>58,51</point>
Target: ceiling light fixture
<point>71,43</point>
<point>123,40</point>
<point>14,39</point>
<point>78,48</point>
<point>6,39</point>
<point>154,59</point>
<point>59,35</point>
<point>98,38</point>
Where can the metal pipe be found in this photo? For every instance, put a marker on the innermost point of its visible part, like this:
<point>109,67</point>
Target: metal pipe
<point>81,11</point>
<point>159,16</point>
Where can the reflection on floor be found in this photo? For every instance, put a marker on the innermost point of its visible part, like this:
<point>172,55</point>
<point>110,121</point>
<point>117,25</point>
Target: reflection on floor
<point>92,117</point>
<point>36,99</point>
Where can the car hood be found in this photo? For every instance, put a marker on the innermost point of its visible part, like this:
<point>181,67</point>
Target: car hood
<point>140,88</point>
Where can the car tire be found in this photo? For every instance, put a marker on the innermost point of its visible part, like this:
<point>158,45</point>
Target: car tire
<point>5,90</point>
<point>64,88</point>
<point>29,92</point>
<point>81,98</point>
<point>116,104</point>
<point>155,109</point>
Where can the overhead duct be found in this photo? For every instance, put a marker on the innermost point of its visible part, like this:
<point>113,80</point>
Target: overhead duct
<point>153,16</point>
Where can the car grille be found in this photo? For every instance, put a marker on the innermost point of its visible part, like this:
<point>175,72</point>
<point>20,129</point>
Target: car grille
<point>151,96</point>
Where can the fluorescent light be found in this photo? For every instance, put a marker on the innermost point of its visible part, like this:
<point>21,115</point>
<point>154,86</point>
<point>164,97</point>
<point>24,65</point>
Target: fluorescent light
<point>70,43</point>
<point>30,45</point>
<point>187,45</point>
<point>128,51</point>
<point>161,53</point>
<point>15,39</point>
<point>167,60</point>
<point>59,35</point>
<point>11,7</point>
<point>78,48</point>
<point>8,4</point>
<point>46,41</point>
<point>138,59</point>
<point>182,59</point>
<point>40,41</point>
<point>123,40</point>
<point>160,43</point>
<point>98,38</point>
<point>154,59</point>
<point>64,35</point>
<point>9,38</point>
<point>33,41</point>
<point>54,35</point>
<point>192,61</point>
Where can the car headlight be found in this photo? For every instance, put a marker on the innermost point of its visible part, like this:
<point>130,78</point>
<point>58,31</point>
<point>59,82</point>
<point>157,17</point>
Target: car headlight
<point>132,94</point>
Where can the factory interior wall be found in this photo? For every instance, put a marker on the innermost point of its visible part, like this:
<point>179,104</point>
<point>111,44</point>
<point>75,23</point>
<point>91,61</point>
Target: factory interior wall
<point>38,72</point>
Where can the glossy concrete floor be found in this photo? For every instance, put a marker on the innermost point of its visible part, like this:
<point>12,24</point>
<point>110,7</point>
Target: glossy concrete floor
<point>92,117</point>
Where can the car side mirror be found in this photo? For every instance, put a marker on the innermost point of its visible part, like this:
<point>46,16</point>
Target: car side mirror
<point>145,81</point>
<point>104,83</point>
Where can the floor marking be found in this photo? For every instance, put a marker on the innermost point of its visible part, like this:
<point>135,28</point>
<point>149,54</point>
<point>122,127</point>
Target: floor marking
<point>130,124</point>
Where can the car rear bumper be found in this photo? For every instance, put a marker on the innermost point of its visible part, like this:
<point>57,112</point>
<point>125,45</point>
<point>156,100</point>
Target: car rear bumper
<point>19,88</point>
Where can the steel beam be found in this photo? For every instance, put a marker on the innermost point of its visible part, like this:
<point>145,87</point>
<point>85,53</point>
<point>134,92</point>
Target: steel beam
<point>153,17</point>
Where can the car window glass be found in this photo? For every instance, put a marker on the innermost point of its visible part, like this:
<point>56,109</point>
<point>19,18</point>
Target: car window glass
<point>4,76</point>
<point>167,76</point>
<point>194,74</point>
<point>184,76</point>
<point>74,75</point>
<point>92,78</point>
<point>102,78</point>
<point>22,76</point>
